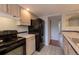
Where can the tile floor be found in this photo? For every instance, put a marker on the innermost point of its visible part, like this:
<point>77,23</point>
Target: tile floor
<point>50,50</point>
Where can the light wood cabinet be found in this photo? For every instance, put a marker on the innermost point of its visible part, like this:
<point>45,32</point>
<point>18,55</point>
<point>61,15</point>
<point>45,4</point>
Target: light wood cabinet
<point>14,10</point>
<point>68,50</point>
<point>18,12</point>
<point>30,45</point>
<point>25,17</point>
<point>71,51</point>
<point>65,47</point>
<point>3,8</point>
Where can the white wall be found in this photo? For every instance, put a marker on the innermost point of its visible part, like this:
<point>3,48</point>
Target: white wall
<point>7,23</point>
<point>49,30</point>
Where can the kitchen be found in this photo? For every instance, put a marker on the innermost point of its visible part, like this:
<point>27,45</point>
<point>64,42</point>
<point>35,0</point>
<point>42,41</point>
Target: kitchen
<point>16,20</point>
<point>33,31</point>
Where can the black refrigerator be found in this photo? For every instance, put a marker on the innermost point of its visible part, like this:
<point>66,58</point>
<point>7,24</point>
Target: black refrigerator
<point>37,28</point>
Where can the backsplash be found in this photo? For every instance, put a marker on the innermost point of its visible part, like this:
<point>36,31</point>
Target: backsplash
<point>22,28</point>
<point>10,24</point>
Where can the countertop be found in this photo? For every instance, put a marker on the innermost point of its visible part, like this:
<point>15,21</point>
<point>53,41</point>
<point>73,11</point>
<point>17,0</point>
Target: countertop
<point>25,35</point>
<point>69,36</point>
<point>19,32</point>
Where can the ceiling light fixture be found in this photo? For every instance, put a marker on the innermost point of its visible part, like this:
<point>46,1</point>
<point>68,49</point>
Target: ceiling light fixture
<point>28,9</point>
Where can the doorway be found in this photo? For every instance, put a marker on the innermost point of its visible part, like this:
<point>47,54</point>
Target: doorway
<point>54,30</point>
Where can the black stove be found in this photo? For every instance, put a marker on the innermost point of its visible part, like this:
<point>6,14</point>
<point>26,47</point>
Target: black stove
<point>10,41</point>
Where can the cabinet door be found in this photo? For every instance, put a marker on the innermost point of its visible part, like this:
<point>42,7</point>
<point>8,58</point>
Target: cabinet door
<point>68,50</point>
<point>25,17</point>
<point>14,10</point>
<point>71,51</point>
<point>30,45</point>
<point>33,43</point>
<point>65,47</point>
<point>3,8</point>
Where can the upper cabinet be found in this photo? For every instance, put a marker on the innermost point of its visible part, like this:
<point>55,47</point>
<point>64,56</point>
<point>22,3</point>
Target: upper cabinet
<point>14,10</point>
<point>3,8</point>
<point>22,15</point>
<point>25,17</point>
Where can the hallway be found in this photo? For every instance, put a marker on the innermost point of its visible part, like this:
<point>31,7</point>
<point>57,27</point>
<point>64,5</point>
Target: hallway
<point>50,50</point>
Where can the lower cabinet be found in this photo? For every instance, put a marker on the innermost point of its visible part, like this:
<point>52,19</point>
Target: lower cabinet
<point>65,47</point>
<point>68,50</point>
<point>30,45</point>
<point>71,51</point>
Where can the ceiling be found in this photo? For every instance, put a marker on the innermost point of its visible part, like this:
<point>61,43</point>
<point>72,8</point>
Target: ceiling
<point>49,9</point>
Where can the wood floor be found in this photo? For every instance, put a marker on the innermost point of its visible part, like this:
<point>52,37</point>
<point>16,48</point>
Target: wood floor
<point>54,43</point>
<point>50,50</point>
